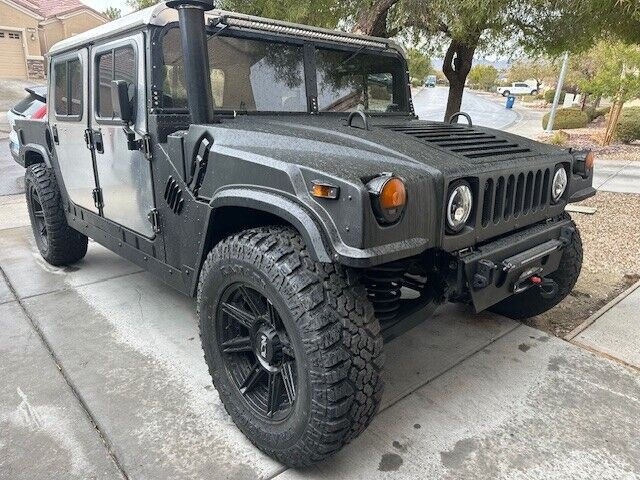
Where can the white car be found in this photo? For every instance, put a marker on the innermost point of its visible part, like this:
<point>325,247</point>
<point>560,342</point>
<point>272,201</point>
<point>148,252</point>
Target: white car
<point>517,88</point>
<point>33,106</point>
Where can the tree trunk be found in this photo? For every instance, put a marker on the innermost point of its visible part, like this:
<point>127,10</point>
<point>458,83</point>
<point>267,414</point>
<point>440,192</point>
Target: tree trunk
<point>456,67</point>
<point>614,115</point>
<point>372,20</point>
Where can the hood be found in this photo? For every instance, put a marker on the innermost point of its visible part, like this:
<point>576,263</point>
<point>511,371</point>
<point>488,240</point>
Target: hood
<point>403,145</point>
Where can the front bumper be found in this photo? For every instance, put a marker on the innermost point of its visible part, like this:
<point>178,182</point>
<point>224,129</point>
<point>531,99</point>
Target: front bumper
<point>498,269</point>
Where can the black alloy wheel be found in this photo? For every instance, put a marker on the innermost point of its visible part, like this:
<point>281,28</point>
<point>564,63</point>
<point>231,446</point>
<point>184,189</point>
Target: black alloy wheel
<point>39,226</point>
<point>257,351</point>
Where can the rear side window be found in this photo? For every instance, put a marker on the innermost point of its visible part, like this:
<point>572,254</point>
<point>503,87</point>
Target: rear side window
<point>117,64</point>
<point>23,106</point>
<point>68,88</point>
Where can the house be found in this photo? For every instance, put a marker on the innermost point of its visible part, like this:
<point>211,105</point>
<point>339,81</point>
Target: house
<point>28,28</point>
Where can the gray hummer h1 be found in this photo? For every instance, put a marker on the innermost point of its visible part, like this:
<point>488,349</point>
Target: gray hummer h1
<point>278,173</point>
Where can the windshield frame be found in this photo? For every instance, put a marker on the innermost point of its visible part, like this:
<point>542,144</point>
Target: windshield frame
<point>309,63</point>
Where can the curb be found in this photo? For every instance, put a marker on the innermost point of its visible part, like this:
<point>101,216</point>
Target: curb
<point>591,320</point>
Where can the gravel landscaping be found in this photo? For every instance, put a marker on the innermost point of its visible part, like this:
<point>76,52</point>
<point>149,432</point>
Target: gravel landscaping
<point>611,239</point>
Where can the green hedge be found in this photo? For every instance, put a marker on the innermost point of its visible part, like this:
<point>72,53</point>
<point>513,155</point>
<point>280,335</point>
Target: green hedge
<point>549,94</point>
<point>593,112</point>
<point>567,118</point>
<point>628,128</point>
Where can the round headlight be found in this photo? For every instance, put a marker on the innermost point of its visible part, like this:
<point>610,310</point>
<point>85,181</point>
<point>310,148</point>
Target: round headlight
<point>388,198</point>
<point>559,184</point>
<point>459,205</point>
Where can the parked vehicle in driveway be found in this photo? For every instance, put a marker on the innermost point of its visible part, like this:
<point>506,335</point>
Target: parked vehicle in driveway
<point>518,88</point>
<point>32,106</point>
<point>278,173</point>
<point>430,81</point>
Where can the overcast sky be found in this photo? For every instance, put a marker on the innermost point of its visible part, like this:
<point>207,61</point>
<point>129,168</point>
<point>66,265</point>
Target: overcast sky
<point>101,5</point>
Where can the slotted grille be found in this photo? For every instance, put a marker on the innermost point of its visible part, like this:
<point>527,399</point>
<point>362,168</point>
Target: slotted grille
<point>515,195</point>
<point>460,139</point>
<point>173,195</point>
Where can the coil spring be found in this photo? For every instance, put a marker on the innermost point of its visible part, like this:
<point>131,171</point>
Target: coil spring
<point>383,285</point>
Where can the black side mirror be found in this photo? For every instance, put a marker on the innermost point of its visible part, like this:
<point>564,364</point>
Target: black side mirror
<point>121,101</point>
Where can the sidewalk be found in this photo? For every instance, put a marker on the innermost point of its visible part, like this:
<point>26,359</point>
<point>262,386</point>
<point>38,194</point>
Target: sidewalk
<point>467,396</point>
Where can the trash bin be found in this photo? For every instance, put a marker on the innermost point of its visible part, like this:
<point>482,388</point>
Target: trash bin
<point>510,101</point>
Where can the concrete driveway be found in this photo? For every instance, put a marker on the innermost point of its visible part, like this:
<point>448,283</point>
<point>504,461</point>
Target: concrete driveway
<point>103,377</point>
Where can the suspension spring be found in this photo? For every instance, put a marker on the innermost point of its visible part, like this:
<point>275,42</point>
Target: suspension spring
<point>383,285</point>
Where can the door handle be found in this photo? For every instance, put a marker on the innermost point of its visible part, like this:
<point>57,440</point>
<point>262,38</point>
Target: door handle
<point>54,132</point>
<point>97,141</point>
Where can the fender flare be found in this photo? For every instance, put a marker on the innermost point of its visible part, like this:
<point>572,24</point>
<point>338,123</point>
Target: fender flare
<point>282,207</point>
<point>33,147</point>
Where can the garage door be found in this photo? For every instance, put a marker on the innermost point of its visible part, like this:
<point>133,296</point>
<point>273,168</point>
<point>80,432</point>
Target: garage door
<point>12,60</point>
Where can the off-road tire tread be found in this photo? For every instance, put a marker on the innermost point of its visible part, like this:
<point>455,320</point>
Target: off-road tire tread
<point>530,303</point>
<point>346,356</point>
<point>65,245</point>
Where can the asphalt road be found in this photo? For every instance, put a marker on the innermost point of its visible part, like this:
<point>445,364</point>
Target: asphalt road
<point>430,104</point>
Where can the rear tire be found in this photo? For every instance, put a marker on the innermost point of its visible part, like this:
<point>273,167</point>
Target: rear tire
<point>530,302</point>
<point>58,243</point>
<point>506,93</point>
<point>317,320</point>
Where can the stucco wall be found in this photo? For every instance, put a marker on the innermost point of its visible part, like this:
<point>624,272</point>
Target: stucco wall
<point>67,26</point>
<point>11,17</point>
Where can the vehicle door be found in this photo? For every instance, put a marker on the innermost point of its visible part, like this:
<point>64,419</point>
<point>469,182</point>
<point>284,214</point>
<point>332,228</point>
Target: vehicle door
<point>123,167</point>
<point>68,120</point>
<point>522,88</point>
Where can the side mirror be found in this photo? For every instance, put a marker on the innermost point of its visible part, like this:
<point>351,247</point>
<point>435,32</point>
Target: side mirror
<point>121,102</point>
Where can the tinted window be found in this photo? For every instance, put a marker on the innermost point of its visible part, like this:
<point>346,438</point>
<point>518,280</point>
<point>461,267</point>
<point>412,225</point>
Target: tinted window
<point>246,75</point>
<point>61,94</point>
<point>75,87</point>
<point>24,106</point>
<point>359,81</point>
<point>68,88</point>
<point>118,64</point>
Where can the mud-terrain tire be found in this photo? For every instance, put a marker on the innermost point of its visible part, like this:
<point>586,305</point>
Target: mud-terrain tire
<point>530,302</point>
<point>326,330</point>
<point>58,243</point>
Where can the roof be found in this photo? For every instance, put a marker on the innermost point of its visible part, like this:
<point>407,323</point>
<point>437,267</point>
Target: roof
<point>161,15</point>
<point>53,8</point>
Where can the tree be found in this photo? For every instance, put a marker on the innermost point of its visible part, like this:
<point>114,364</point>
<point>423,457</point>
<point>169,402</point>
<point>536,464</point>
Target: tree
<point>140,4</point>
<point>112,13</point>
<point>617,76</point>
<point>419,65</point>
<point>372,18</point>
<point>483,76</point>
<point>540,70</point>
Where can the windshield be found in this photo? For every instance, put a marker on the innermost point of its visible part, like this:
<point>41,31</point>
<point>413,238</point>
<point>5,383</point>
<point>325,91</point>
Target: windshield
<point>358,81</point>
<point>258,75</point>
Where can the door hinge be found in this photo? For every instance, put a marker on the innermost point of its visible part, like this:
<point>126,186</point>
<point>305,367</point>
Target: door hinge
<point>154,219</point>
<point>143,144</point>
<point>146,146</point>
<point>97,198</point>
<point>88,139</point>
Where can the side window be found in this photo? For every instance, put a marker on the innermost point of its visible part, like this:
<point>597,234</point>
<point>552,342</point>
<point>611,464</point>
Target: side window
<point>116,64</point>
<point>68,88</point>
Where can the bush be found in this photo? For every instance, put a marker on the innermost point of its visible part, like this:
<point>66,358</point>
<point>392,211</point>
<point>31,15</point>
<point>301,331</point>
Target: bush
<point>559,138</point>
<point>567,118</point>
<point>628,128</point>
<point>549,94</point>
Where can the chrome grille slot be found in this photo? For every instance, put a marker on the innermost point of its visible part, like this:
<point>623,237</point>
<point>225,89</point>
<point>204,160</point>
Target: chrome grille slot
<point>509,197</point>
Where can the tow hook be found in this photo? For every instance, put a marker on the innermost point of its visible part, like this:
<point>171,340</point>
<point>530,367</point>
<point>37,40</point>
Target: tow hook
<point>530,278</point>
<point>548,288</point>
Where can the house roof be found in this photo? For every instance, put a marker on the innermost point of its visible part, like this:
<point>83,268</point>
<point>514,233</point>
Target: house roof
<point>53,8</point>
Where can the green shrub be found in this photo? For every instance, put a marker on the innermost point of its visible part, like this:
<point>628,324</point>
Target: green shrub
<point>567,118</point>
<point>593,112</point>
<point>549,94</point>
<point>628,128</point>
<point>559,138</point>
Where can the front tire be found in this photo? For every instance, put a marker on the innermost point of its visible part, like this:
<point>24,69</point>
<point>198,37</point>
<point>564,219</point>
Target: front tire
<point>58,243</point>
<point>530,302</point>
<point>273,320</point>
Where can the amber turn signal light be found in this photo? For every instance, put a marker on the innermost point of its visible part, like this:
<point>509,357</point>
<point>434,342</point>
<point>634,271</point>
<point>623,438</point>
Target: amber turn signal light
<point>324,190</point>
<point>388,198</point>
<point>393,194</point>
<point>588,161</point>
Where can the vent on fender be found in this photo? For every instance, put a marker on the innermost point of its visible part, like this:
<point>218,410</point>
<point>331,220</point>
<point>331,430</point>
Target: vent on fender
<point>173,195</point>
